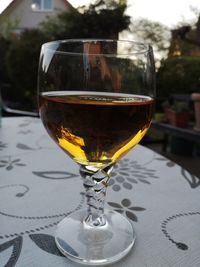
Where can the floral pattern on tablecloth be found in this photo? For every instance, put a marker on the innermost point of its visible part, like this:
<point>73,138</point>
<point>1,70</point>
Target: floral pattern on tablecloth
<point>40,185</point>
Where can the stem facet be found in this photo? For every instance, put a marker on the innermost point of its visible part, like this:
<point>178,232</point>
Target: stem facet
<point>95,182</point>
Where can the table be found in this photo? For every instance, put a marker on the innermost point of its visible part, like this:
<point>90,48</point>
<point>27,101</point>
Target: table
<point>188,134</point>
<point>39,185</point>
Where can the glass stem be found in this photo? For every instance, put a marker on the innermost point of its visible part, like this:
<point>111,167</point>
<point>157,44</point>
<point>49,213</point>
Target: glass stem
<point>95,182</point>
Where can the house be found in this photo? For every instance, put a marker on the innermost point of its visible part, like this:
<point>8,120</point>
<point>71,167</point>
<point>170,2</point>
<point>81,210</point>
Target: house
<point>24,14</point>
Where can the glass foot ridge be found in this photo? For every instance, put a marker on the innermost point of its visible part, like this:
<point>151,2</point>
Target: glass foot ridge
<point>100,245</point>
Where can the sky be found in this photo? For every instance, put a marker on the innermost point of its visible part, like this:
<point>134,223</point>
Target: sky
<point>168,12</point>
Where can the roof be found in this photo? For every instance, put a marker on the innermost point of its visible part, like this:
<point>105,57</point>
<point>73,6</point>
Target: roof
<point>14,2</point>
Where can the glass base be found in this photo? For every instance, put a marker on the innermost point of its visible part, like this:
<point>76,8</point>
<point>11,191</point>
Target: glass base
<point>98,245</point>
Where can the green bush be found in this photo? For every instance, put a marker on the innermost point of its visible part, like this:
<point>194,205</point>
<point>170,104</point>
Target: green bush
<point>178,75</point>
<point>4,45</point>
<point>22,65</point>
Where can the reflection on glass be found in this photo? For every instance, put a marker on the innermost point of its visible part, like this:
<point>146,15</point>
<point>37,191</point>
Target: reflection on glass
<point>96,104</point>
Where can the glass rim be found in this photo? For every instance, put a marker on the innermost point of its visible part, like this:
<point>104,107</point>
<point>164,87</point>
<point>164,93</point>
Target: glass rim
<point>142,47</point>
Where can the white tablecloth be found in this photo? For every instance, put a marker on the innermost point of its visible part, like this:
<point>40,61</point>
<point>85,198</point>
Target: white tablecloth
<point>39,185</point>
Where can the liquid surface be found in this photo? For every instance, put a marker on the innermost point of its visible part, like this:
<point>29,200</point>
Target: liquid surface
<point>95,129</point>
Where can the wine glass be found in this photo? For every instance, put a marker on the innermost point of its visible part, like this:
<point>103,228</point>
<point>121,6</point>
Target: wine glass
<point>96,100</point>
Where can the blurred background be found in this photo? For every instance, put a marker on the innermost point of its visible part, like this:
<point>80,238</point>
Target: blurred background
<point>172,27</point>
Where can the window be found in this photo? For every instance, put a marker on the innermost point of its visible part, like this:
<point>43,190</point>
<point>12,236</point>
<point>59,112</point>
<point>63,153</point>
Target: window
<point>42,5</point>
<point>47,4</point>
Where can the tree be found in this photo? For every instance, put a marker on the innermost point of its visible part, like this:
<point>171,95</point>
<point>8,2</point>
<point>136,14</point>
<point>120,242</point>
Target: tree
<point>152,32</point>
<point>104,19</point>
<point>6,26</point>
<point>179,73</point>
<point>22,63</point>
<point>185,40</point>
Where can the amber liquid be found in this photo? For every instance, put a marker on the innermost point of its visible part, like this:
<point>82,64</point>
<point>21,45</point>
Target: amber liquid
<point>94,128</point>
